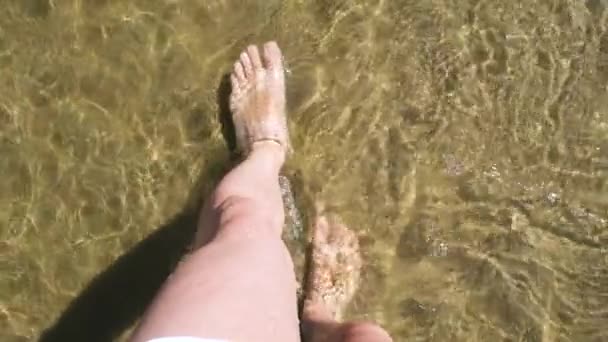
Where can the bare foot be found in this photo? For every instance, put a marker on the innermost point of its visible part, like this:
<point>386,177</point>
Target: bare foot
<point>257,101</point>
<point>335,270</point>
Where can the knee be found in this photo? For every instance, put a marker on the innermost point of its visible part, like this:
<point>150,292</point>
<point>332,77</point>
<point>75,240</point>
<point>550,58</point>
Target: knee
<point>363,332</point>
<point>237,212</point>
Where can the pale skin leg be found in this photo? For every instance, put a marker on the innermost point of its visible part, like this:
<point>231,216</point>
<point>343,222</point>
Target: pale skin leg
<point>241,285</point>
<point>238,284</point>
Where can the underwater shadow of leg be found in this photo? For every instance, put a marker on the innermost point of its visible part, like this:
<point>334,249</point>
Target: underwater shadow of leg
<point>116,298</point>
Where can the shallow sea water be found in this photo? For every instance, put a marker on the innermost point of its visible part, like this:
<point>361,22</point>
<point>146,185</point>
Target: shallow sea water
<point>465,141</point>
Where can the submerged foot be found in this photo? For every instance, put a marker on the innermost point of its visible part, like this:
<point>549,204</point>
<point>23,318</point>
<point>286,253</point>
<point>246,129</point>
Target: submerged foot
<point>335,270</point>
<point>257,101</point>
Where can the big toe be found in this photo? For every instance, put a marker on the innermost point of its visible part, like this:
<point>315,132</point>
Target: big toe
<point>273,58</point>
<point>321,231</point>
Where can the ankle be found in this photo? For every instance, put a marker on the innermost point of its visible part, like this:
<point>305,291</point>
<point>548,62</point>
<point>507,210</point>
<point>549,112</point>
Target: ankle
<point>270,149</point>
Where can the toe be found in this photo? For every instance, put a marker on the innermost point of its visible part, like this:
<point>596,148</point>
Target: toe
<point>246,62</point>
<point>273,59</point>
<point>337,233</point>
<point>234,83</point>
<point>239,72</point>
<point>254,56</point>
<point>321,231</point>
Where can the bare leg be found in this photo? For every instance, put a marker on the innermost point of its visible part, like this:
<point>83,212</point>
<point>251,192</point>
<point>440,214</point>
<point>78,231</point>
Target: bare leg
<point>239,284</point>
<point>335,269</point>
